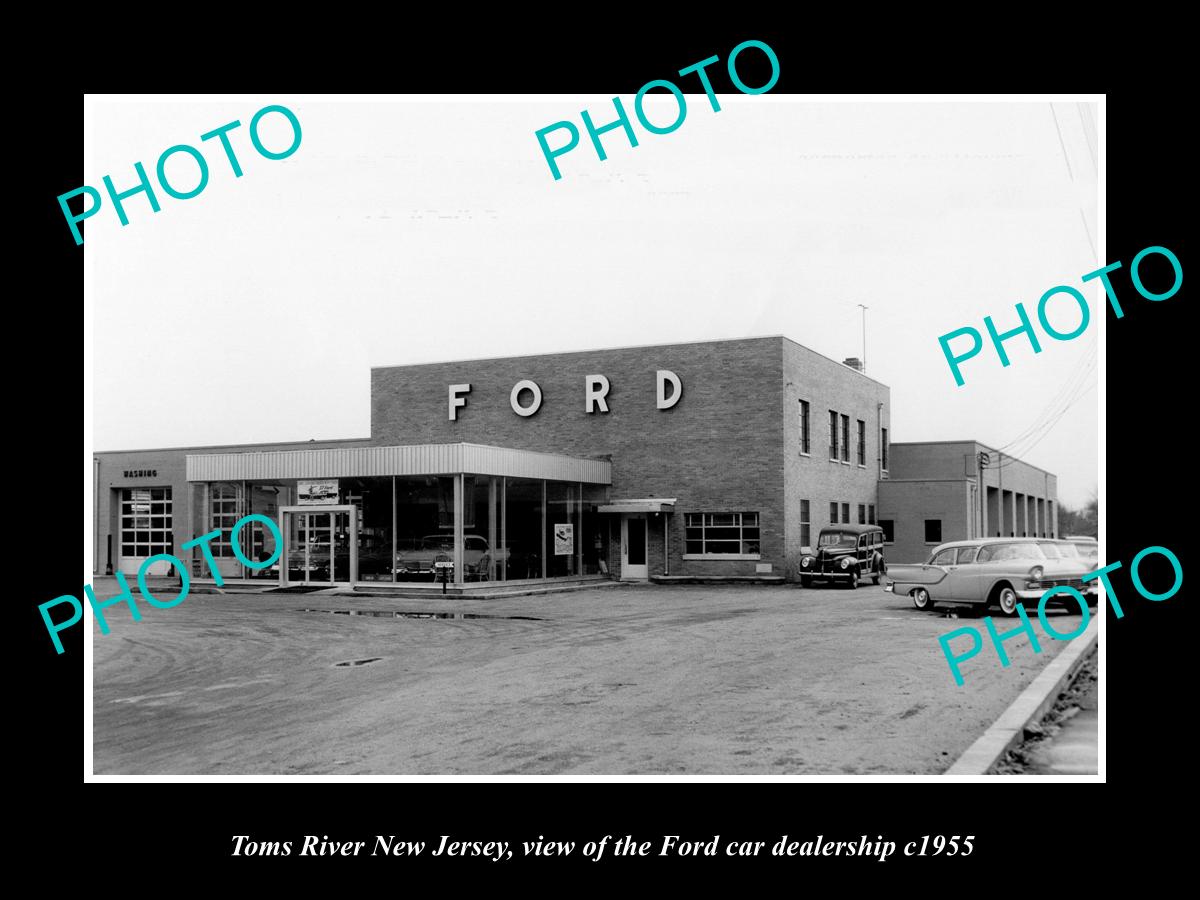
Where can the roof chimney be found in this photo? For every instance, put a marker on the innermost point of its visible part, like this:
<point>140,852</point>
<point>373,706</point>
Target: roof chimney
<point>853,362</point>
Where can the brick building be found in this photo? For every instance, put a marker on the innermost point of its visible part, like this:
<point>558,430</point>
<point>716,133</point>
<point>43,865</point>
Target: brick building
<point>931,495</point>
<point>722,457</point>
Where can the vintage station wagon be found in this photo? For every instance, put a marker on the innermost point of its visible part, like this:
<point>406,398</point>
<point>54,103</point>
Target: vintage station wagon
<point>845,553</point>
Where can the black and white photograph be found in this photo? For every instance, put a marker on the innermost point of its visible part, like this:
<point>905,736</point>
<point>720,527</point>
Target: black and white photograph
<point>701,431</point>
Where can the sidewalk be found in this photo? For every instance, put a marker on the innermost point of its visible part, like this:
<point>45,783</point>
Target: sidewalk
<point>1074,749</point>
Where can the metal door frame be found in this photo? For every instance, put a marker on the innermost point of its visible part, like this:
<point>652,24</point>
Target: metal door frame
<point>625,576</point>
<point>352,513</point>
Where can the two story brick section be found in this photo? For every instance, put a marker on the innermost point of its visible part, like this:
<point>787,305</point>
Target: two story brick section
<point>729,449</point>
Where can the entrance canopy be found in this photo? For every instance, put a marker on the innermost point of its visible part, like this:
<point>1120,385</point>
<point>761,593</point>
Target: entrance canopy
<point>409,459</point>
<point>646,505</point>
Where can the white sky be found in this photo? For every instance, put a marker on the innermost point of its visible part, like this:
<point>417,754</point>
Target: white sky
<point>411,231</point>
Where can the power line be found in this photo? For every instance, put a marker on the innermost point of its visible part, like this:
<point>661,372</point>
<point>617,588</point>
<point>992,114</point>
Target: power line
<point>1022,446</point>
<point>1079,395</point>
<point>1090,388</point>
<point>1083,368</point>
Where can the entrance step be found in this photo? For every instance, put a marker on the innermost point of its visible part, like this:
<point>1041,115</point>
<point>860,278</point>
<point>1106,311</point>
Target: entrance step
<point>718,579</point>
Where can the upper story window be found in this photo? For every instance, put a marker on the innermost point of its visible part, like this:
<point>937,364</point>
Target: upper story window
<point>883,448</point>
<point>862,442</point>
<point>845,438</point>
<point>804,427</point>
<point>833,435</point>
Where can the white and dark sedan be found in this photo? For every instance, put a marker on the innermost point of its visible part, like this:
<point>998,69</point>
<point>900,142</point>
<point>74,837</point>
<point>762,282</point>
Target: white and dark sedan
<point>991,572</point>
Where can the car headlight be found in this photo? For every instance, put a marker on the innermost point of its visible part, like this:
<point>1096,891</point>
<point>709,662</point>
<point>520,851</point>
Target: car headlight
<point>805,563</point>
<point>1035,574</point>
<point>845,562</point>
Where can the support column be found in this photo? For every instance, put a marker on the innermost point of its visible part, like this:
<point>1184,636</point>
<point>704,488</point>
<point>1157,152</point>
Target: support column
<point>458,530</point>
<point>491,569</point>
<point>1012,513</point>
<point>666,544</point>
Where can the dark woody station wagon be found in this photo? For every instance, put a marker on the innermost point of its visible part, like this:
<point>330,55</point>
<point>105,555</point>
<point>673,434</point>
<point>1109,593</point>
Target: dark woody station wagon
<point>845,553</point>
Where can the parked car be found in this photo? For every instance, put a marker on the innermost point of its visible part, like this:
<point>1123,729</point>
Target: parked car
<point>990,572</point>
<point>844,554</point>
<point>419,556</point>
<point>1088,548</point>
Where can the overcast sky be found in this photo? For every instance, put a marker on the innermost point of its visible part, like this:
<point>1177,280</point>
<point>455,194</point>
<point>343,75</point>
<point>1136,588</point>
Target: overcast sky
<point>411,231</point>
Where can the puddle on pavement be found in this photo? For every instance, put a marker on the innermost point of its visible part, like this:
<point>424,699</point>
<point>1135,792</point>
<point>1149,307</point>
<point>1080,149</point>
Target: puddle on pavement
<point>391,614</point>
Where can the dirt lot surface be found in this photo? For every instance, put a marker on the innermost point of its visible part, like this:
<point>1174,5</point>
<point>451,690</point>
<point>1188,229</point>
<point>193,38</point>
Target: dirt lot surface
<point>623,680</point>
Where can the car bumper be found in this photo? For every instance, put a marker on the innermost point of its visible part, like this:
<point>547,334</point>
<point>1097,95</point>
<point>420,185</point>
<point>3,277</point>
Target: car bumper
<point>1089,593</point>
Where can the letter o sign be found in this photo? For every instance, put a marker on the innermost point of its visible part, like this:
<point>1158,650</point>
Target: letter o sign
<point>515,402</point>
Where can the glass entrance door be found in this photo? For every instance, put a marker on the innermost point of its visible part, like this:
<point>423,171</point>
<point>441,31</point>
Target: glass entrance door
<point>319,545</point>
<point>307,544</point>
<point>633,547</point>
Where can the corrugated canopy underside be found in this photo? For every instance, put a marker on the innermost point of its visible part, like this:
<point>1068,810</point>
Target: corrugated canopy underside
<point>411,459</point>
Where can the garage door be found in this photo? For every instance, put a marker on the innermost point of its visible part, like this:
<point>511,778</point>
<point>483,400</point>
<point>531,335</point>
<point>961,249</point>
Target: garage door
<point>145,531</point>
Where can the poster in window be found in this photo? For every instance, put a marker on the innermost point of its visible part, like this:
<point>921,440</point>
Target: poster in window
<point>317,493</point>
<point>564,540</point>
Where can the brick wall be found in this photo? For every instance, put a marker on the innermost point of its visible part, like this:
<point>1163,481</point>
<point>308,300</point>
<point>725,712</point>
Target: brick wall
<point>827,385</point>
<point>718,449</point>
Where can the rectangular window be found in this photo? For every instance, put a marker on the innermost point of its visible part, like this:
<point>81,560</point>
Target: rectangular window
<point>933,531</point>
<point>870,513</point>
<point>889,530</point>
<point>146,522</point>
<point>805,525</point>
<point>721,534</point>
<point>845,439</point>
<point>845,513</point>
<point>862,514</point>
<point>832,513</point>
<point>804,434</point>
<point>833,432</point>
<point>883,449</point>
<point>862,442</point>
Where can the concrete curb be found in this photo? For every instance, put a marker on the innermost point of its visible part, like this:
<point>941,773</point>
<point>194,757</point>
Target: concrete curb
<point>1031,706</point>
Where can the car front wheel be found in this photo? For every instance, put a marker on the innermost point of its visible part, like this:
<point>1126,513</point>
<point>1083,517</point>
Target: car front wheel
<point>853,579</point>
<point>1008,601</point>
<point>921,599</point>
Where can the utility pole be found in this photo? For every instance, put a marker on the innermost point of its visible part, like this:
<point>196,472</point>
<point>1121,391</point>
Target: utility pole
<point>864,356</point>
<point>983,460</point>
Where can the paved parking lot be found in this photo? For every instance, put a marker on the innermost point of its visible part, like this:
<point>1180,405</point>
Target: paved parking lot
<point>624,680</point>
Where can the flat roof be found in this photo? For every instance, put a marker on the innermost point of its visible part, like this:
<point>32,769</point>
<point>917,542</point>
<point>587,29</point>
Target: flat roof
<point>989,447</point>
<point>726,340</point>
<point>235,447</point>
<point>405,459</point>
